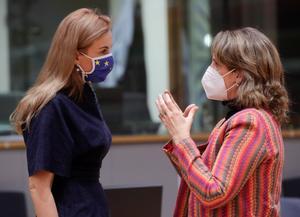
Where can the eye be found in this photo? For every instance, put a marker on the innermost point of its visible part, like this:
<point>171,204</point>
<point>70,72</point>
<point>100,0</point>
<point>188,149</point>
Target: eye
<point>104,51</point>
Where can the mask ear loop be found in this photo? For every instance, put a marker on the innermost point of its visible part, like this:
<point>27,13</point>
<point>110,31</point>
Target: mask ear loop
<point>86,55</point>
<point>80,70</point>
<point>228,73</point>
<point>235,85</point>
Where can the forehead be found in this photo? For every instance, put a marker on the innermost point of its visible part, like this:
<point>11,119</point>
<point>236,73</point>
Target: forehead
<point>104,40</point>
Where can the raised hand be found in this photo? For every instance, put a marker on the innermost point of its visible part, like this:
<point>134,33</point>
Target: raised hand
<point>178,123</point>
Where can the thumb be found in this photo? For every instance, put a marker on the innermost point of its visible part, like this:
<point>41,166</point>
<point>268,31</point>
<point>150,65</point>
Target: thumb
<point>187,110</point>
<point>192,113</point>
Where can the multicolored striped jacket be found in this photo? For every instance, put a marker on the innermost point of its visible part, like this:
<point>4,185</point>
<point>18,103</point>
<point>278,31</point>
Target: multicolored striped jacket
<point>238,174</point>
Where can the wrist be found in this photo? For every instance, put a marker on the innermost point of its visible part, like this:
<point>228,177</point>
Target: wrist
<point>180,139</point>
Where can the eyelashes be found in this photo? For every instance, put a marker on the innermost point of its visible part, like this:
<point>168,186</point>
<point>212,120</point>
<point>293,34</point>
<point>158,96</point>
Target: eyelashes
<point>104,51</point>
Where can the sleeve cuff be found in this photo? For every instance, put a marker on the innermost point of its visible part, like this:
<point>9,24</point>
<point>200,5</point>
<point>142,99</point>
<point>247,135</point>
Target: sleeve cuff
<point>168,147</point>
<point>185,152</point>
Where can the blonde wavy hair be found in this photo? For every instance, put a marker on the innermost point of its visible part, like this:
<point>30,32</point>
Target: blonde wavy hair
<point>76,32</point>
<point>254,55</point>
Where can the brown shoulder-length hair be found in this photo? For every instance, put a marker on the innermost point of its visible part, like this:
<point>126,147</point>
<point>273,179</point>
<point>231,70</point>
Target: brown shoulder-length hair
<point>77,31</point>
<point>250,52</point>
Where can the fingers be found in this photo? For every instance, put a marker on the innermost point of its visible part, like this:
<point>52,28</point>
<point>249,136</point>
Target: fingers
<point>162,113</point>
<point>172,98</point>
<point>168,102</point>
<point>171,104</point>
<point>167,106</point>
<point>161,105</point>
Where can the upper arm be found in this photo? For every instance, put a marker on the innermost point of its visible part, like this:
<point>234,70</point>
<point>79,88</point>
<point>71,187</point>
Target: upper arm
<point>40,184</point>
<point>242,151</point>
<point>49,143</point>
<point>41,180</point>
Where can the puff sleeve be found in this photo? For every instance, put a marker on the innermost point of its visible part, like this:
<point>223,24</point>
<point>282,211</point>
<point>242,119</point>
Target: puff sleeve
<point>49,144</point>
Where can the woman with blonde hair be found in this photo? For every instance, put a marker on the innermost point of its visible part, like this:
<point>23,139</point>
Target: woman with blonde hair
<point>65,134</point>
<point>238,172</point>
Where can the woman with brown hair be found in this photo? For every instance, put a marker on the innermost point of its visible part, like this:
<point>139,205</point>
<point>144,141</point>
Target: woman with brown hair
<point>65,134</point>
<point>238,172</point>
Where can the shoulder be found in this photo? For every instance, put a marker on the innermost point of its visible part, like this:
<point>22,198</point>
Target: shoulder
<point>52,111</point>
<point>249,118</point>
<point>60,99</point>
<point>50,117</point>
<point>251,113</point>
<point>58,102</point>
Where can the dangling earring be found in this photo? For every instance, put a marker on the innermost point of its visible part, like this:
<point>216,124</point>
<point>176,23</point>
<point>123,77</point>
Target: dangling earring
<point>83,75</point>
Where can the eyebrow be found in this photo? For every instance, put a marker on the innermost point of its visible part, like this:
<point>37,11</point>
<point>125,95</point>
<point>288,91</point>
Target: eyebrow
<point>103,47</point>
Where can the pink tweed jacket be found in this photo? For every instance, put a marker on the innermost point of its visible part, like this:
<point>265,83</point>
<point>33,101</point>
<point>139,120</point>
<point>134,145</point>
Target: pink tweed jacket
<point>238,174</point>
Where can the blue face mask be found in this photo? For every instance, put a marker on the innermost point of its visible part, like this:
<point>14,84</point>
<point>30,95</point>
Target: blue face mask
<point>101,67</point>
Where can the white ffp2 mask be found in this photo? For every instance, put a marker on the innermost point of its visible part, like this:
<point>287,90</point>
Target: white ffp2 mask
<point>214,85</point>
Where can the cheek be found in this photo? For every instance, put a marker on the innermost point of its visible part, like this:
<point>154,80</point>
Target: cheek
<point>86,64</point>
<point>229,80</point>
<point>230,83</point>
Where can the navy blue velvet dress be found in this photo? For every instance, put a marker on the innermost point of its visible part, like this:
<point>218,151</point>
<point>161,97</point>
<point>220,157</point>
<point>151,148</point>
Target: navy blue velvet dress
<point>70,139</point>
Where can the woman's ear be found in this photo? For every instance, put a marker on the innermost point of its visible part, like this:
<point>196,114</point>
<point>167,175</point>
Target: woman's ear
<point>239,76</point>
<point>77,57</point>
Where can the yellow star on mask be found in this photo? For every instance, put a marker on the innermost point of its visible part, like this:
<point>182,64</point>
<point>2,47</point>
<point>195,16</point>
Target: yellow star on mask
<point>97,62</point>
<point>106,63</point>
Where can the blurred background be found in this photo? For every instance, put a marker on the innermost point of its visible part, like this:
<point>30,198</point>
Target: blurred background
<point>157,45</point>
